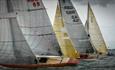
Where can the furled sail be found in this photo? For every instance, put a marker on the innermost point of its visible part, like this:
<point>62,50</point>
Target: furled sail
<point>13,46</point>
<point>36,27</point>
<point>65,43</point>
<point>74,27</point>
<point>94,32</point>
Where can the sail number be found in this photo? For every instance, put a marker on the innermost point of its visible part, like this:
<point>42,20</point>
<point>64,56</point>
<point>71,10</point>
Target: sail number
<point>35,3</point>
<point>68,7</point>
<point>70,10</point>
<point>75,18</point>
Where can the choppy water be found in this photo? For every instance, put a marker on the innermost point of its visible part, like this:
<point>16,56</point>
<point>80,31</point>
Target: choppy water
<point>107,63</point>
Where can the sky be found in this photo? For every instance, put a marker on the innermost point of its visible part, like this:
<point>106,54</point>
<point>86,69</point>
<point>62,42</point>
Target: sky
<point>104,11</point>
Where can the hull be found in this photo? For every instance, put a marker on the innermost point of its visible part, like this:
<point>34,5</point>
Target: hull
<point>88,56</point>
<point>37,65</point>
<point>62,63</point>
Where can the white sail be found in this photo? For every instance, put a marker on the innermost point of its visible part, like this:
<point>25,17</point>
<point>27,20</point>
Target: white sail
<point>36,27</point>
<point>94,33</point>
<point>13,46</point>
<point>75,28</point>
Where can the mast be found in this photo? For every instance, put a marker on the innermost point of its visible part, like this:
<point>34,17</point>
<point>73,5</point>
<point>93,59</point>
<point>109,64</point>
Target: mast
<point>13,46</point>
<point>67,48</point>
<point>36,27</point>
<point>94,32</point>
<point>75,28</point>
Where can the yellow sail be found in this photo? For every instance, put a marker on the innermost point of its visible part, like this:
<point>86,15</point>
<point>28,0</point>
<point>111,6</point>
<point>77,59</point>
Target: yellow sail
<point>64,41</point>
<point>95,34</point>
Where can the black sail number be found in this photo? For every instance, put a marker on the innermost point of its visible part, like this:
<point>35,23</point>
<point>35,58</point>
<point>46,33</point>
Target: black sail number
<point>70,11</point>
<point>75,18</point>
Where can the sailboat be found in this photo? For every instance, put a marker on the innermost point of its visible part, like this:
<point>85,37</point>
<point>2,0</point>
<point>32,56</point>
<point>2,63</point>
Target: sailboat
<point>71,26</point>
<point>65,42</point>
<point>27,39</point>
<point>94,33</point>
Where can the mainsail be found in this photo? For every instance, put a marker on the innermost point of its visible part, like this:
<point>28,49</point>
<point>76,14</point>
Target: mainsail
<point>65,43</point>
<point>13,47</point>
<point>74,27</point>
<point>36,27</point>
<point>27,37</point>
<point>94,32</point>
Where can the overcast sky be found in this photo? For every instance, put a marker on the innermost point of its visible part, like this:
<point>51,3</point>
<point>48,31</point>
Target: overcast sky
<point>104,11</point>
